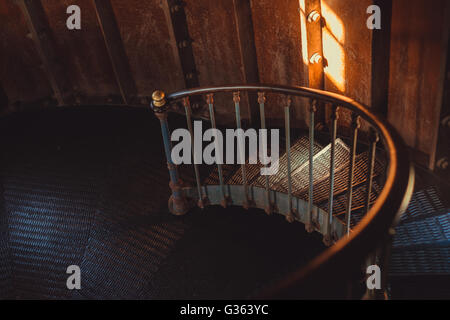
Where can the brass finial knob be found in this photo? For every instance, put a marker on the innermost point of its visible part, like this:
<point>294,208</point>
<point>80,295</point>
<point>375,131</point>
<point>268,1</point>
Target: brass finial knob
<point>158,97</point>
<point>236,97</point>
<point>261,97</point>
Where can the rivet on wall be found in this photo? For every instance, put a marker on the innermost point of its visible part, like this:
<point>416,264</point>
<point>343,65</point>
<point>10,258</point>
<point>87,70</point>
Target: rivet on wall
<point>315,58</point>
<point>314,16</point>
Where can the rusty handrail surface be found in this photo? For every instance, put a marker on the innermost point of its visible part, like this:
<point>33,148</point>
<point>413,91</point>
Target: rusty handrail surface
<point>332,267</point>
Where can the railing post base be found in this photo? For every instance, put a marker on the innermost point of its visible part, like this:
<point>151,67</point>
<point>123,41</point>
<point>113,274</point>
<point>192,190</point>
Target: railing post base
<point>202,203</point>
<point>269,209</point>
<point>177,207</point>
<point>292,215</point>
<point>327,240</point>
<point>226,201</point>
<point>178,204</point>
<point>309,227</point>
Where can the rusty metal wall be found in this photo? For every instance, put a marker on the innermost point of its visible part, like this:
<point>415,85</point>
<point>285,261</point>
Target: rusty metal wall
<point>212,27</point>
<point>417,52</point>
<point>280,41</point>
<point>149,47</point>
<point>348,51</point>
<point>82,52</point>
<point>21,74</point>
<point>279,51</point>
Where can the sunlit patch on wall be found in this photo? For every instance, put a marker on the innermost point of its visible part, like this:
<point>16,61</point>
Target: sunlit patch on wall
<point>333,23</point>
<point>334,53</point>
<point>333,38</point>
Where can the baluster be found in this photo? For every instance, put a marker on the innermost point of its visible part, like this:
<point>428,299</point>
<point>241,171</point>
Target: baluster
<point>287,125</point>
<point>373,136</point>
<point>210,102</point>
<point>351,170</point>
<point>261,101</point>
<point>333,129</point>
<point>187,108</point>
<point>177,203</point>
<point>241,146</point>
<point>309,223</point>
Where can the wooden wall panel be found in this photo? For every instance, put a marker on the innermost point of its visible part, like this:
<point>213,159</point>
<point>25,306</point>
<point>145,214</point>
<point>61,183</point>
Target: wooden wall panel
<point>20,73</point>
<point>216,49</point>
<point>416,61</point>
<point>279,51</point>
<point>149,47</point>
<point>212,27</point>
<point>83,52</point>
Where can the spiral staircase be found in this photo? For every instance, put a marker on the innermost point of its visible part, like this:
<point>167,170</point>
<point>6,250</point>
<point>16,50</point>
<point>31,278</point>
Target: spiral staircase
<point>88,186</point>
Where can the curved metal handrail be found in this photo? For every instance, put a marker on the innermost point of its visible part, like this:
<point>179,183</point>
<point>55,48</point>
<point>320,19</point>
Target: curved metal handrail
<point>371,233</point>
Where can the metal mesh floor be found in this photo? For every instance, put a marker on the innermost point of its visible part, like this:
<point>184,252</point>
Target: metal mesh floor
<point>76,192</point>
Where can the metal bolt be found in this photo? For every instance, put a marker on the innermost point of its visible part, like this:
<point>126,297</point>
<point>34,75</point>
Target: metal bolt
<point>315,58</point>
<point>442,163</point>
<point>446,122</point>
<point>290,217</point>
<point>175,8</point>
<point>183,44</point>
<point>314,16</point>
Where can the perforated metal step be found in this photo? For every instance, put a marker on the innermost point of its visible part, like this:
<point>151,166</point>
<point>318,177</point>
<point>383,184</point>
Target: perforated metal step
<point>321,164</point>
<point>422,241</point>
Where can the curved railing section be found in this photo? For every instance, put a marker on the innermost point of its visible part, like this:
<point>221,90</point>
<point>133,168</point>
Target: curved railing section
<point>366,243</point>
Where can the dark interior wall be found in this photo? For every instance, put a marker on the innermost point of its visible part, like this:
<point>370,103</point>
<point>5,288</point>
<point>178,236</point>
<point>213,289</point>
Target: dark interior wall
<point>278,40</point>
<point>279,34</point>
<point>81,52</point>
<point>418,52</point>
<point>149,45</point>
<point>212,26</point>
<point>21,74</point>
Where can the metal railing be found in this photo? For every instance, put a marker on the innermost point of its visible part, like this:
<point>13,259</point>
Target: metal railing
<point>350,248</point>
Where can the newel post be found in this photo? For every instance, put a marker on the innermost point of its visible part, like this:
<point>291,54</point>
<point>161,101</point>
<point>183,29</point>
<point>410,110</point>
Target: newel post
<point>177,203</point>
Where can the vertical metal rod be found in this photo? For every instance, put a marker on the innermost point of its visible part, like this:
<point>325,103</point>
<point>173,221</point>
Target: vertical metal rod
<point>287,126</point>
<point>351,170</point>
<point>312,110</point>
<point>241,146</point>
<point>187,108</point>
<point>210,102</point>
<point>372,150</point>
<point>177,202</point>
<point>332,164</point>
<point>261,101</point>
